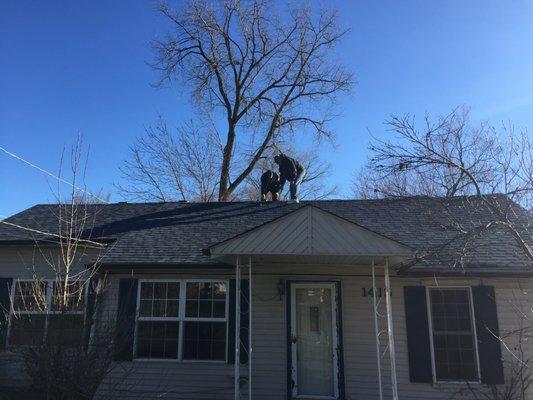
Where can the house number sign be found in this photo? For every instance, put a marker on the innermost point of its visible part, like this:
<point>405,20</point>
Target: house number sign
<point>369,292</point>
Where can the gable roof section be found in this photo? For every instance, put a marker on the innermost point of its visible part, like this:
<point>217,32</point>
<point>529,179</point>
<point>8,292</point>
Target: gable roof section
<point>310,231</point>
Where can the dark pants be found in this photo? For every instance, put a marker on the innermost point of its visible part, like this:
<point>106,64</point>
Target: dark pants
<point>295,185</point>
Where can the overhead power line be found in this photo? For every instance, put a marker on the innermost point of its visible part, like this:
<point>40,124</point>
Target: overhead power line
<point>33,230</point>
<point>19,158</point>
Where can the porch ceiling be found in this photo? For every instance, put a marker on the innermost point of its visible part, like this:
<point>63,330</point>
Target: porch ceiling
<point>310,235</point>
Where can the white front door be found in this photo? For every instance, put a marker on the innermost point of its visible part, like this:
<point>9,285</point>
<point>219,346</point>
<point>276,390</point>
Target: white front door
<point>314,341</point>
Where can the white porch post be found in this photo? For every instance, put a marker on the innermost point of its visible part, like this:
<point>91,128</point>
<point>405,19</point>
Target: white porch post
<point>250,328</point>
<point>392,350</point>
<point>237,327</point>
<point>376,329</point>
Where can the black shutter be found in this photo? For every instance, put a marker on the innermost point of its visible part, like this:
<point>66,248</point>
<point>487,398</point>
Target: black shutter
<point>418,341</point>
<point>487,330</point>
<point>89,311</point>
<point>5,287</point>
<point>125,327</point>
<point>245,318</point>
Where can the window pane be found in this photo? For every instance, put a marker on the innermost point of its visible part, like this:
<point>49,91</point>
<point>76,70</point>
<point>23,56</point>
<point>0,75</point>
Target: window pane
<point>205,309</point>
<point>206,291</point>
<point>65,329</point>
<point>219,291</point>
<point>219,309</point>
<point>147,290</point>
<point>27,329</point>
<point>193,290</point>
<point>145,308</point>
<point>30,296</point>
<point>159,299</point>
<point>172,309</point>
<point>204,341</point>
<point>191,308</point>
<point>160,290</point>
<point>159,308</point>
<point>68,298</point>
<point>453,338</point>
<point>173,290</point>
<point>206,300</point>
<point>157,339</point>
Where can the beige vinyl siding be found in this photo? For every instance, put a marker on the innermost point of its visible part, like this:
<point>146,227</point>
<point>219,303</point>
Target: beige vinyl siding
<point>27,262</point>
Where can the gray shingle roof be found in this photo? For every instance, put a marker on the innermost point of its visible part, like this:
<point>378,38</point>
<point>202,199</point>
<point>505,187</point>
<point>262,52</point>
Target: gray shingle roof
<point>176,233</point>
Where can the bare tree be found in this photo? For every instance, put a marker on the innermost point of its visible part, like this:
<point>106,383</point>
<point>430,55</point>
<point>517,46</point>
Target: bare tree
<point>184,164</point>
<point>448,158</point>
<point>262,74</point>
<point>167,165</point>
<point>53,338</point>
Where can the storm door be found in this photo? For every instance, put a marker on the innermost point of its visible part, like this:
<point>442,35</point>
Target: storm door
<point>314,341</point>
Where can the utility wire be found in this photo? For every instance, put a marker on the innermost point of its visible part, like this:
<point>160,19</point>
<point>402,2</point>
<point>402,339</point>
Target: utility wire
<point>49,233</point>
<point>19,158</point>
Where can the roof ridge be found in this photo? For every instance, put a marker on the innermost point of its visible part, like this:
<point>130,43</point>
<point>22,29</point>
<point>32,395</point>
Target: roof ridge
<point>346,200</point>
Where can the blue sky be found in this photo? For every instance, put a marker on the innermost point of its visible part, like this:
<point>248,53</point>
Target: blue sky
<point>73,66</point>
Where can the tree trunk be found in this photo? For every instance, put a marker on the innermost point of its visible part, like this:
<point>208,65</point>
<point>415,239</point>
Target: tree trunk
<point>223,191</point>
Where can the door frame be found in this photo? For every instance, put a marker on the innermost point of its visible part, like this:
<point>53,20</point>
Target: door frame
<point>338,372</point>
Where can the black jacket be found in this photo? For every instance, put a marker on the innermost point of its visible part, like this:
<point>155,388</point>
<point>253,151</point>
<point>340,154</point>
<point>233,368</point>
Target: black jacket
<point>269,182</point>
<point>289,169</point>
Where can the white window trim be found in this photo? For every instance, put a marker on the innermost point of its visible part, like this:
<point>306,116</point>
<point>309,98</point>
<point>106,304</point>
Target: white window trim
<point>431,333</point>
<point>48,307</point>
<point>181,319</point>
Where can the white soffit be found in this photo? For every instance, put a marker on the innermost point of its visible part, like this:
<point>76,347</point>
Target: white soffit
<point>310,231</point>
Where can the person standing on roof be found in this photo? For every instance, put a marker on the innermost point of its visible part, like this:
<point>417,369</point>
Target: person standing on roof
<point>292,171</point>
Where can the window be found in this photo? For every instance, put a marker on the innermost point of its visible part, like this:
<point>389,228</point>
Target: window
<point>37,314</point>
<point>205,325</point>
<point>182,320</point>
<point>28,322</point>
<point>65,322</point>
<point>453,335</point>
<point>158,320</point>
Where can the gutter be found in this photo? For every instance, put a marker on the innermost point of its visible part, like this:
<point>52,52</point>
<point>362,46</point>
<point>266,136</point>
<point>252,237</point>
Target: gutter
<point>465,273</point>
<point>122,267</point>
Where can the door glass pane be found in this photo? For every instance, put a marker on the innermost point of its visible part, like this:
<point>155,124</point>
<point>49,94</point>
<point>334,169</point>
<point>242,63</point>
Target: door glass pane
<point>314,342</point>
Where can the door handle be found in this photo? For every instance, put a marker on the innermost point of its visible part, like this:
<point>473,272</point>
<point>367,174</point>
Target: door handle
<point>294,339</point>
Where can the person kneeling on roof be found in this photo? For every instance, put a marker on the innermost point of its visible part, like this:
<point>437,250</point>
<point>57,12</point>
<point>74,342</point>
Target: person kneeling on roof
<point>270,184</point>
<point>292,171</point>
